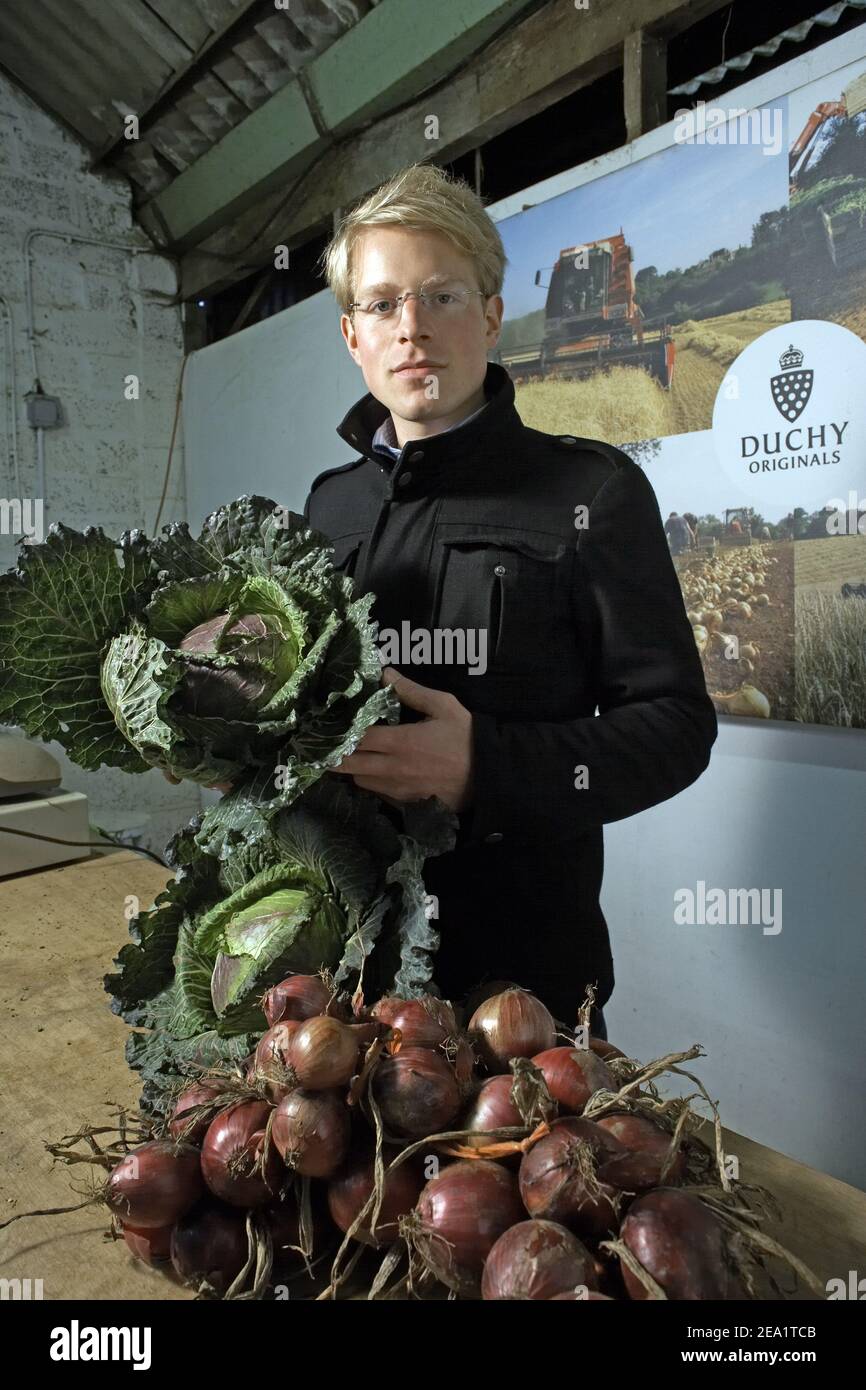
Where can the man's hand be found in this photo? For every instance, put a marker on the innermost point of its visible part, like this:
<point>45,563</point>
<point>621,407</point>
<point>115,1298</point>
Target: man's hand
<point>414,761</point>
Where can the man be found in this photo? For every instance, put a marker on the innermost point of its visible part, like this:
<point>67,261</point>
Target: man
<point>548,549</point>
<point>679,533</point>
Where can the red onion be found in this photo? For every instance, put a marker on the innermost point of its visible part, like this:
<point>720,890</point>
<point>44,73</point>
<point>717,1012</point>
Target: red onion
<point>511,1024</point>
<point>572,1074</point>
<point>349,1189</point>
<point>424,1022</point>
<point>459,1217</point>
<point>232,1156</point>
<point>152,1247</point>
<point>323,1053</point>
<point>155,1183</point>
<point>536,1260</point>
<point>416,1091</point>
<point>210,1243</point>
<point>605,1278</point>
<point>298,998</point>
<point>648,1146</point>
<point>679,1241</point>
<point>192,1128</point>
<point>490,1108</point>
<point>556,1177</point>
<point>311,1130</point>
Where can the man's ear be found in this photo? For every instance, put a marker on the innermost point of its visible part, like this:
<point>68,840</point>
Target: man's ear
<point>493,313</point>
<point>347,328</point>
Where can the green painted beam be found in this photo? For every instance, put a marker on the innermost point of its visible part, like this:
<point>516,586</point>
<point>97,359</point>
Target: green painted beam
<point>399,48</point>
<point>275,143</point>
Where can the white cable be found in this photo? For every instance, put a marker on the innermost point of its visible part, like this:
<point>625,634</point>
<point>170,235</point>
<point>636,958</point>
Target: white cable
<point>156,296</point>
<point>11,393</point>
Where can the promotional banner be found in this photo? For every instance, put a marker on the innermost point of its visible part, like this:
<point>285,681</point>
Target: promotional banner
<point>704,308</point>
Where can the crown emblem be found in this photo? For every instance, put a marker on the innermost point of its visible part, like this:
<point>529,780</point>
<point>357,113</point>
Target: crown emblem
<point>792,358</point>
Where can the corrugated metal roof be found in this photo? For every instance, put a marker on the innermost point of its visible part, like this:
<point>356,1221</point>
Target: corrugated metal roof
<point>795,34</point>
<point>189,71</point>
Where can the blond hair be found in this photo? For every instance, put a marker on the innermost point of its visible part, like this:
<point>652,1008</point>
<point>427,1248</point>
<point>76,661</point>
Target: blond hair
<point>426,197</point>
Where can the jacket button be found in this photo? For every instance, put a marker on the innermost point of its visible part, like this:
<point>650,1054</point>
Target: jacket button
<point>417,456</point>
<point>493,838</point>
<point>499,569</point>
<point>404,480</point>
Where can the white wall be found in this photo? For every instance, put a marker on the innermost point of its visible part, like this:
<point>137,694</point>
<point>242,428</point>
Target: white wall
<point>260,409</point>
<point>96,323</point>
<point>781,1016</point>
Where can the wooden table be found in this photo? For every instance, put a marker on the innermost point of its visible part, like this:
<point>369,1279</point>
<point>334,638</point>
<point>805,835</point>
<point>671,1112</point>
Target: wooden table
<point>62,1065</point>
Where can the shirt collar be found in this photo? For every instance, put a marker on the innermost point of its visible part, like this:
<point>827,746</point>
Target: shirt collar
<point>386,436</point>
<point>455,457</point>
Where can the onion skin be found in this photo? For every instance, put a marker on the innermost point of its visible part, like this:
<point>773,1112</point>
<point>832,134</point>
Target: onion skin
<point>312,1131</point>
<point>323,1053</point>
<point>231,1156</point>
<point>490,1108</point>
<point>680,1243</point>
<point>425,1022</point>
<point>572,1075</point>
<point>155,1184</point>
<point>152,1247</point>
<point>273,1046</point>
<point>536,1260</point>
<point>511,1024</point>
<point>553,1187</point>
<point>470,1205</point>
<point>271,1067</point>
<point>210,1243</point>
<point>604,1049</point>
<point>648,1145</point>
<point>416,1091</point>
<point>298,998</point>
<point>463,1061</point>
<point>189,1128</point>
<point>350,1187</point>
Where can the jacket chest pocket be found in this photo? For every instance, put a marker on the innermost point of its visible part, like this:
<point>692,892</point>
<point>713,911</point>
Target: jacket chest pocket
<point>512,586</point>
<point>346,550</point>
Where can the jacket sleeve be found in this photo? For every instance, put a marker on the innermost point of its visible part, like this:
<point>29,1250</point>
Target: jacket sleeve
<point>655,724</point>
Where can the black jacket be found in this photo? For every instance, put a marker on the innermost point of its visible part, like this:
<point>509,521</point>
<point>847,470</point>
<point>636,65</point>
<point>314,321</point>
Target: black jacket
<point>480,527</point>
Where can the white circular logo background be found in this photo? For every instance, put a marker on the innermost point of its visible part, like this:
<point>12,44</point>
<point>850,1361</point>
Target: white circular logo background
<point>746,418</point>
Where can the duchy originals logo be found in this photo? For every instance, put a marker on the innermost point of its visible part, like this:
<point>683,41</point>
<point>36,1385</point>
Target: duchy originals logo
<point>793,385</point>
<point>768,428</point>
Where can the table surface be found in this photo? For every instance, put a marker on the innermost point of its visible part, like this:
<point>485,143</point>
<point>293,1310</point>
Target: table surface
<point>59,932</point>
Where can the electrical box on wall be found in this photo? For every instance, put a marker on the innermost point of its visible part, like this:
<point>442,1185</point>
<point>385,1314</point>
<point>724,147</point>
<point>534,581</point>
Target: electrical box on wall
<point>43,412</point>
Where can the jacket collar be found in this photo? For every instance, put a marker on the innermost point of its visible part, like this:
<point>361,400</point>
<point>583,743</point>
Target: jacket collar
<point>464,450</point>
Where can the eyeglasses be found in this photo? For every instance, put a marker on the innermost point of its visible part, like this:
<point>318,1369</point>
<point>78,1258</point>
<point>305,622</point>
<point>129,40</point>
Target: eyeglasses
<point>443,302</point>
